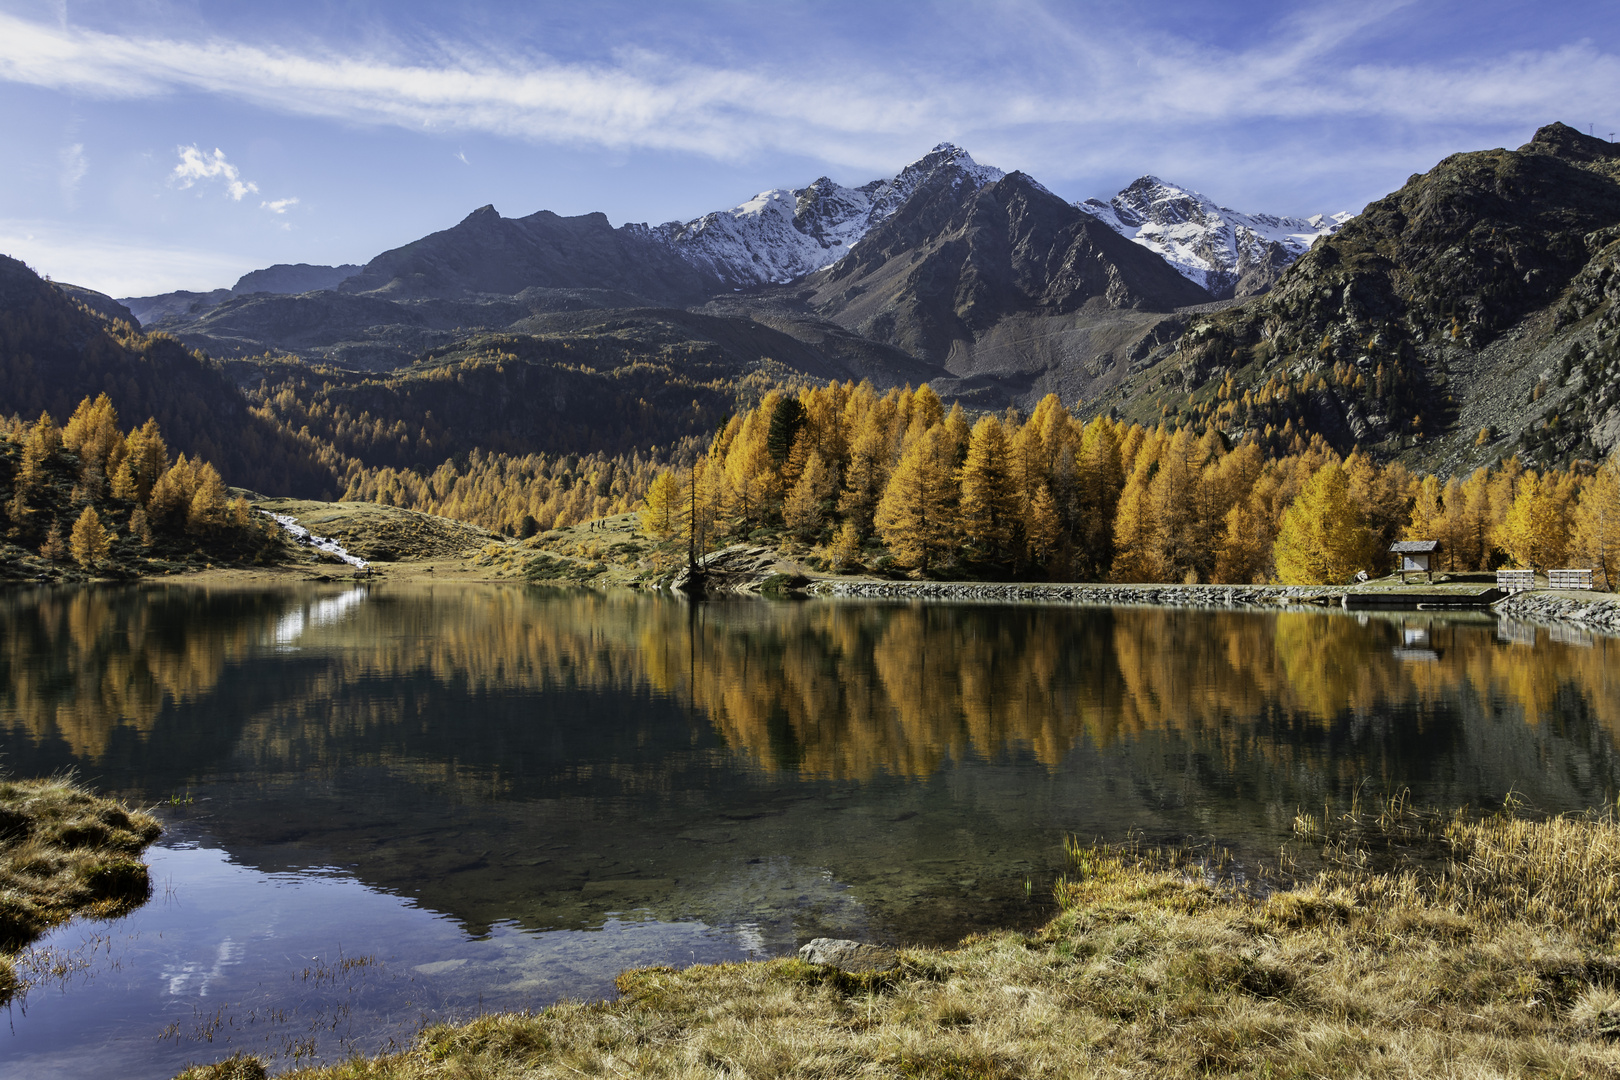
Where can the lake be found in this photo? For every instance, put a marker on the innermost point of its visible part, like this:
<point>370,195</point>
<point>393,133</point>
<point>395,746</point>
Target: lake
<point>389,805</point>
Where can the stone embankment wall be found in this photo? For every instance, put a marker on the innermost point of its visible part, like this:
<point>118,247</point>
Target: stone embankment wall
<point>1198,596</point>
<point>1600,612</point>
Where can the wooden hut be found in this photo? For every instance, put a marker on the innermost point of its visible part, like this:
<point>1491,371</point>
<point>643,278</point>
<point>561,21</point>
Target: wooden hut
<point>1416,557</point>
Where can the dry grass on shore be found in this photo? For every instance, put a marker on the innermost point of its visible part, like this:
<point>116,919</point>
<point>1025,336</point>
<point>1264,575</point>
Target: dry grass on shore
<point>1496,958</point>
<point>64,852</point>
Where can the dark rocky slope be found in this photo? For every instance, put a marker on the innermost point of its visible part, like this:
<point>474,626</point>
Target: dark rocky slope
<point>947,269</point>
<point>1478,296</point>
<point>1012,290</point>
<point>487,253</point>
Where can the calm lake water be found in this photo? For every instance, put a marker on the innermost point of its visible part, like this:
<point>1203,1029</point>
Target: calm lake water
<point>391,805</point>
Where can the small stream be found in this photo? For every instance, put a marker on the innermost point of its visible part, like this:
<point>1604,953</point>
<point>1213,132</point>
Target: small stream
<point>306,538</point>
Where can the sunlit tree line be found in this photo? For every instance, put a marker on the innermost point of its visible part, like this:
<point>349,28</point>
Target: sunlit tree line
<point>520,496</point>
<point>68,490</point>
<point>899,478</point>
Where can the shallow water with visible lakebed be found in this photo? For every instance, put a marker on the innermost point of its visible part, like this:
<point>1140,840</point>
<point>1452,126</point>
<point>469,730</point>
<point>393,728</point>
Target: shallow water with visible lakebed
<point>388,805</point>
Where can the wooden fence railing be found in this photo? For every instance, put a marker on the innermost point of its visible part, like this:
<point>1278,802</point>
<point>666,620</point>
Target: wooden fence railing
<point>1515,580</point>
<point>1569,579</point>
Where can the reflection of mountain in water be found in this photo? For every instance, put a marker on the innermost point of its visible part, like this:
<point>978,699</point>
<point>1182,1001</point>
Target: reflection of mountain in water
<point>547,758</point>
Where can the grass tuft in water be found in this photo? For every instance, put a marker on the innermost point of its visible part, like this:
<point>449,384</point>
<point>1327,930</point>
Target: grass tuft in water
<point>64,852</point>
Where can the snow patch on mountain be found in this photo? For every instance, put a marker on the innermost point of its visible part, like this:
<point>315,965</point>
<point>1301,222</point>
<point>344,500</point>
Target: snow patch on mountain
<point>1225,251</point>
<point>785,233</point>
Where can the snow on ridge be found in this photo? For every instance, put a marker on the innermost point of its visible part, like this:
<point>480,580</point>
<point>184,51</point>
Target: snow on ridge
<point>786,233</point>
<point>1209,244</point>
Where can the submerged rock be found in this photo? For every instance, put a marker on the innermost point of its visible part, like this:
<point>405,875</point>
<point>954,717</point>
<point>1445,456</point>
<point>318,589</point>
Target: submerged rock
<point>855,957</point>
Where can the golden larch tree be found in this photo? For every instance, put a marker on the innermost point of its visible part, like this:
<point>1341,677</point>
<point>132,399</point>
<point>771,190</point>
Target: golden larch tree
<point>661,512</point>
<point>1323,539</point>
<point>805,509</point>
<point>1099,479</point>
<point>89,542</point>
<point>869,464</point>
<point>990,497</point>
<point>1245,543</point>
<point>1535,530</point>
<point>1596,526</point>
<point>913,517</point>
<point>1136,556</point>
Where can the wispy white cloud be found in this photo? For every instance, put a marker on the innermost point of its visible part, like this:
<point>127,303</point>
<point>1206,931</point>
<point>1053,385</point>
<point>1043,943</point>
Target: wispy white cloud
<point>74,167</point>
<point>279,206</point>
<point>1081,82</point>
<point>195,165</point>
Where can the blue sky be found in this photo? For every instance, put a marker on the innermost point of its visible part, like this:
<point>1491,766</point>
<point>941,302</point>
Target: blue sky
<point>154,144</point>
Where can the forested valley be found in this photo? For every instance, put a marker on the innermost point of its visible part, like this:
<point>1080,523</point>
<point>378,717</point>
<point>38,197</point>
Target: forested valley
<point>525,432</point>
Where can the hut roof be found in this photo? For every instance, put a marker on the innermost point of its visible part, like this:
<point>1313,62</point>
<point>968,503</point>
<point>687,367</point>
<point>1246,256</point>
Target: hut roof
<point>1413,547</point>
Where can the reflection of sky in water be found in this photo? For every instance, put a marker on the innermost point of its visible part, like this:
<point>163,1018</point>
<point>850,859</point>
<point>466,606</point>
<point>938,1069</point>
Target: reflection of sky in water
<point>291,626</point>
<point>436,801</point>
<point>228,959</point>
<point>195,976</point>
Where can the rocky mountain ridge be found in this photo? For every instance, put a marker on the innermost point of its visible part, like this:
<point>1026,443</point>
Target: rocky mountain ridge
<point>783,234</point>
<point>969,278</point>
<point>488,273</point>
<point>1227,253</point>
<point>281,279</point>
<point>1468,316</point>
<point>491,273</point>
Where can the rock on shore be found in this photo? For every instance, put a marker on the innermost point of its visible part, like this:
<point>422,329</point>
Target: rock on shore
<point>1599,611</point>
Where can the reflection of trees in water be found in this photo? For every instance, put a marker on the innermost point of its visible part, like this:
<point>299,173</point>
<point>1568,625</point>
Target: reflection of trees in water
<point>818,689</point>
<point>921,683</point>
<point>80,664</point>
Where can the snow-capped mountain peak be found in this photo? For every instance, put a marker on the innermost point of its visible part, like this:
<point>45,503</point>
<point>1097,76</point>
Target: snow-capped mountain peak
<point>784,233</point>
<point>1224,250</point>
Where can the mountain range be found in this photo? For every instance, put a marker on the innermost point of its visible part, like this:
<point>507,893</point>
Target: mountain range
<point>989,296</point>
<point>1464,316</point>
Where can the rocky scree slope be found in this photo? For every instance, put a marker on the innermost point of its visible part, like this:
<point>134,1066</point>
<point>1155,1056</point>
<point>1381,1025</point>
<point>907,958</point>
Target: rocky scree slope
<point>1226,252</point>
<point>1466,316</point>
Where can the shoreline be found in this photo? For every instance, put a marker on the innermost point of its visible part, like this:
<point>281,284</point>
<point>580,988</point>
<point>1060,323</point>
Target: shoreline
<point>1596,611</point>
<point>1184,596</point>
<point>1156,963</point>
<point>1599,612</point>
